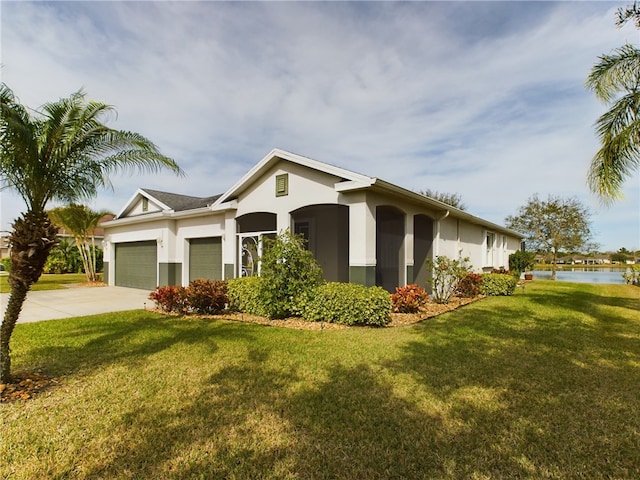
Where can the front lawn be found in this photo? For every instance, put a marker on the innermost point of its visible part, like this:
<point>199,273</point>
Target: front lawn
<point>48,281</point>
<point>544,384</point>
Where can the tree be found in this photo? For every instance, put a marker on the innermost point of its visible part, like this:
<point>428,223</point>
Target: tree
<point>453,199</point>
<point>61,152</point>
<point>552,225</point>
<point>81,222</point>
<point>615,80</point>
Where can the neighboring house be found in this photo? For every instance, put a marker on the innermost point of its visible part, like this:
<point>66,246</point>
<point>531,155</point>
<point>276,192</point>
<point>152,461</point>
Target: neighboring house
<point>361,229</point>
<point>4,246</point>
<point>98,234</point>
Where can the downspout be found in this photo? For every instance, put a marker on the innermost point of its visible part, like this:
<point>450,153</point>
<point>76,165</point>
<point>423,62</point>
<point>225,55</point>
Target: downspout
<point>436,248</point>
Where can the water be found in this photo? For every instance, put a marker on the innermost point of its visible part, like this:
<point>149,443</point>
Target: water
<point>584,275</point>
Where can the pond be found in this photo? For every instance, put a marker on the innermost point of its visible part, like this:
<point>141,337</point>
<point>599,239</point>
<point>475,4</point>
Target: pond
<point>584,275</point>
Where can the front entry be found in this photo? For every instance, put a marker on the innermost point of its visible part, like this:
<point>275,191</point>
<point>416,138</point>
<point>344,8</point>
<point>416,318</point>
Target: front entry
<point>252,229</point>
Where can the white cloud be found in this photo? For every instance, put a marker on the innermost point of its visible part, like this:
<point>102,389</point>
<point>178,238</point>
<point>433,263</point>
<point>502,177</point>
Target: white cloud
<point>483,99</point>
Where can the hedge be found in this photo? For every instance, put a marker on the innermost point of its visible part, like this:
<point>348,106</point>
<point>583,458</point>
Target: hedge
<point>497,284</point>
<point>349,304</point>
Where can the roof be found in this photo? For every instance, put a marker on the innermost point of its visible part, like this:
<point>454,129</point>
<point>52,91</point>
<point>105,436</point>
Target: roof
<point>180,203</point>
<point>349,181</point>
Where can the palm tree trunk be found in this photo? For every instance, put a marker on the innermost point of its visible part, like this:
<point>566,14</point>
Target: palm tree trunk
<point>14,307</point>
<point>31,240</point>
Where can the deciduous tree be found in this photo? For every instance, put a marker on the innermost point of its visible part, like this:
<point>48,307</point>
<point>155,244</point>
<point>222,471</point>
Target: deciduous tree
<point>552,225</point>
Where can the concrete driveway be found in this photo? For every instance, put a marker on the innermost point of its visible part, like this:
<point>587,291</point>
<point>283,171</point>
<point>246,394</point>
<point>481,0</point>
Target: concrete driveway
<point>79,301</point>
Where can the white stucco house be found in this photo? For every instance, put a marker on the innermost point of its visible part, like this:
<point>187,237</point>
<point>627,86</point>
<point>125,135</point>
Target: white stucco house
<point>360,229</point>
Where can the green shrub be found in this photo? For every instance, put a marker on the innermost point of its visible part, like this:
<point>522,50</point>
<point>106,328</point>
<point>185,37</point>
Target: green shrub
<point>521,261</point>
<point>244,295</point>
<point>632,275</point>
<point>409,299</point>
<point>349,304</point>
<point>496,284</point>
<point>207,297</point>
<point>63,258</point>
<point>6,262</point>
<point>289,274</point>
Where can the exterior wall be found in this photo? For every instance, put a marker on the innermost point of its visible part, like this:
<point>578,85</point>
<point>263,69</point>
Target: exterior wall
<point>305,187</point>
<point>452,237</point>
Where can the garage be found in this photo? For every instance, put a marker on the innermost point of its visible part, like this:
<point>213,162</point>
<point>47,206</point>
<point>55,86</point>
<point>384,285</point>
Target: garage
<point>205,258</point>
<point>137,264</point>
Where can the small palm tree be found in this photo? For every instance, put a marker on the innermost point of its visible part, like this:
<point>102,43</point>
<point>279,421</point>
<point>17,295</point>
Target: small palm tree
<point>615,80</point>
<point>80,222</point>
<point>62,152</point>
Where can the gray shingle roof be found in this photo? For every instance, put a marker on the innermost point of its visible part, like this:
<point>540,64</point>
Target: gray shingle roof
<point>181,203</point>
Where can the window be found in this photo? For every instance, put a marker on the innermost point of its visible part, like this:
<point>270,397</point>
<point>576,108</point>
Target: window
<point>145,204</point>
<point>304,229</point>
<point>491,240</point>
<point>282,185</point>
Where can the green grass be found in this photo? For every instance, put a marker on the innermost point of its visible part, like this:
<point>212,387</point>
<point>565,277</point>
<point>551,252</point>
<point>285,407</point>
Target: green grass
<point>48,281</point>
<point>544,384</point>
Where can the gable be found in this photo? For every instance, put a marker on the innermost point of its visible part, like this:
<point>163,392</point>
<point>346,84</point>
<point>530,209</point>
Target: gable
<point>142,205</point>
<point>277,156</point>
<point>287,186</point>
<point>147,201</point>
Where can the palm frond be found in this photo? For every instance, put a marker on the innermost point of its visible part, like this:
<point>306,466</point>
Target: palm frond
<point>615,73</point>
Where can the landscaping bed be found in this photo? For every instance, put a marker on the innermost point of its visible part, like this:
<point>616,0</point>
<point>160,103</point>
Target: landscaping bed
<point>429,310</point>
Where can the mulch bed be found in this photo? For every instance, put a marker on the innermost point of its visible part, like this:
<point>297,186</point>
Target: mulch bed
<point>26,385</point>
<point>397,319</point>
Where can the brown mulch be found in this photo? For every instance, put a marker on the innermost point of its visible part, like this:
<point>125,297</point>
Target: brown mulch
<point>397,319</point>
<point>431,309</point>
<point>85,284</point>
<point>26,385</point>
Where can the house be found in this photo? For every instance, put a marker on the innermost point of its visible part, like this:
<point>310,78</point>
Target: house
<point>360,229</point>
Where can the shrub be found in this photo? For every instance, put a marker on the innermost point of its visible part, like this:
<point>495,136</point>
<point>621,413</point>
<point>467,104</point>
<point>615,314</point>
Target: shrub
<point>244,295</point>
<point>521,261</point>
<point>289,274</point>
<point>495,284</point>
<point>632,275</point>
<point>447,273</point>
<point>470,286</point>
<point>409,299</point>
<point>6,262</point>
<point>170,298</point>
<point>207,297</point>
<point>349,304</point>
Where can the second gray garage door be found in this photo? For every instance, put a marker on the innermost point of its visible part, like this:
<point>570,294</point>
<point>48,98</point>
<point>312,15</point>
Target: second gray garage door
<point>137,264</point>
<point>205,258</point>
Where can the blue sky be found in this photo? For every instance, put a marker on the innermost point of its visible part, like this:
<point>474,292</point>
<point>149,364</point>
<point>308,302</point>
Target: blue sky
<point>483,99</point>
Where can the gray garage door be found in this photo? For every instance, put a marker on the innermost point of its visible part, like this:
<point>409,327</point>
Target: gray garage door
<point>137,264</point>
<point>205,258</point>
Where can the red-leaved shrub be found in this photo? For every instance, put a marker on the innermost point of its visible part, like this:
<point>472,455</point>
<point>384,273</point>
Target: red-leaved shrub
<point>170,298</point>
<point>470,286</point>
<point>409,299</point>
<point>207,297</point>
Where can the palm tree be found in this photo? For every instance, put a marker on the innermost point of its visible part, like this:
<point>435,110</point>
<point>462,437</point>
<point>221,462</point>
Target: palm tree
<point>615,80</point>
<point>81,222</point>
<point>62,152</point>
